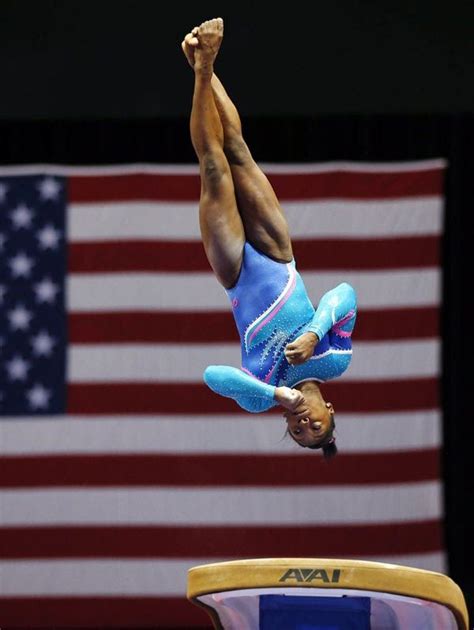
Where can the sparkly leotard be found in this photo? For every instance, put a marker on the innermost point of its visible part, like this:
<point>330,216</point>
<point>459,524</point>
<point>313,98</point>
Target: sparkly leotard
<point>271,309</point>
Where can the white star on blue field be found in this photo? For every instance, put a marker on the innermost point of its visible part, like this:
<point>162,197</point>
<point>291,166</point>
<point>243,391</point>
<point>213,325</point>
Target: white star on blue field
<point>33,326</point>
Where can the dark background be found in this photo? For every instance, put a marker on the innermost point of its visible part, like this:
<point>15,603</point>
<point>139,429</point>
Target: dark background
<point>64,58</point>
<point>105,82</point>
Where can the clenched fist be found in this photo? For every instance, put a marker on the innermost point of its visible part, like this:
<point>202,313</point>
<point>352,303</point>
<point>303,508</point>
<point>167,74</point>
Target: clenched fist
<point>301,349</point>
<point>291,399</point>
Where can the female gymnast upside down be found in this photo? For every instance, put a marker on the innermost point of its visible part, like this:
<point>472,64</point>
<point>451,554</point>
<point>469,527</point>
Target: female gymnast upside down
<point>288,348</point>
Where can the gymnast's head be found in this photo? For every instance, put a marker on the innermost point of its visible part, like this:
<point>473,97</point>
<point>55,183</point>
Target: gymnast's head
<point>316,429</point>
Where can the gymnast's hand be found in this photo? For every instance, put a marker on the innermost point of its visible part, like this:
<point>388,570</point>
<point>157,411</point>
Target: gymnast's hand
<point>301,349</point>
<point>291,399</point>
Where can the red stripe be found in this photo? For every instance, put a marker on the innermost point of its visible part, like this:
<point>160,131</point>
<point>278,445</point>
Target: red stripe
<point>196,398</point>
<point>288,186</point>
<point>358,185</point>
<point>101,612</point>
<point>368,254</point>
<point>188,256</point>
<point>228,470</point>
<point>145,187</point>
<point>213,542</point>
<point>216,327</point>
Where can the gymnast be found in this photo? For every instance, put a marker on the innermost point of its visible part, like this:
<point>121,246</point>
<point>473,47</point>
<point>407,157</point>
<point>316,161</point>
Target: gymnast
<point>288,347</point>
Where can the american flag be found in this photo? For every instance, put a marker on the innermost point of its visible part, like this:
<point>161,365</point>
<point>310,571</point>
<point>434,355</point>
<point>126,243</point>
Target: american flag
<point>120,469</point>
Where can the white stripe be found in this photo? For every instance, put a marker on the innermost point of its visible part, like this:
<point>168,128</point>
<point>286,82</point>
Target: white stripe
<point>100,170</point>
<point>375,360</point>
<point>356,167</point>
<point>238,434</point>
<point>388,432</point>
<point>201,291</point>
<point>185,364</point>
<point>364,220</point>
<point>88,222</point>
<point>239,506</point>
<point>270,167</point>
<point>159,577</point>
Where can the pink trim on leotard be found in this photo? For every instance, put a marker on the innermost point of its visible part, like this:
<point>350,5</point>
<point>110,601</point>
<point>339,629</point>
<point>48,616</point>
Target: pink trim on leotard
<point>269,375</point>
<point>247,372</point>
<point>337,326</point>
<point>273,310</point>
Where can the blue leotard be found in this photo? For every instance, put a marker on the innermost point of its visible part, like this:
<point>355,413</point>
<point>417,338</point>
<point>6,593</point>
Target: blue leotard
<point>271,308</point>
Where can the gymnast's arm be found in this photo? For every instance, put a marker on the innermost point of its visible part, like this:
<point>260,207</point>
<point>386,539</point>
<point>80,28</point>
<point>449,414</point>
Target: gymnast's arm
<point>337,311</point>
<point>248,392</point>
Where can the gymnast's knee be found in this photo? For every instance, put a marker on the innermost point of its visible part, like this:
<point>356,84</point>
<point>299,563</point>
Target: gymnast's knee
<point>214,167</point>
<point>237,151</point>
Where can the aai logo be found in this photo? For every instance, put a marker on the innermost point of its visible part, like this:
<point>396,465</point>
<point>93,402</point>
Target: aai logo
<point>311,575</point>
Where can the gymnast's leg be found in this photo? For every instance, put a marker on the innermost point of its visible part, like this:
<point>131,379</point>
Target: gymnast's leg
<point>264,222</point>
<point>220,222</point>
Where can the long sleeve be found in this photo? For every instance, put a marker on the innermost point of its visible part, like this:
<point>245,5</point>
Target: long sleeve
<point>250,393</point>
<point>336,310</point>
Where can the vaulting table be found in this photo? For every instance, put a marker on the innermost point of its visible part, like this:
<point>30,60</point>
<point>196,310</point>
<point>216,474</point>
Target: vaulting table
<point>325,594</point>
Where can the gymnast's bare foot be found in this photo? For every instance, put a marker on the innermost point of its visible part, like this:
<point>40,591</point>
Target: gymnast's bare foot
<point>209,35</point>
<point>189,44</point>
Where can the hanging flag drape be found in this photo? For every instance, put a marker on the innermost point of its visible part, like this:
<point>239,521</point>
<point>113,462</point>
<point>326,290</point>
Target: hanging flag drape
<point>120,469</point>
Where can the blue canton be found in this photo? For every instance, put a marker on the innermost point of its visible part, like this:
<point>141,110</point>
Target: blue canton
<point>33,324</point>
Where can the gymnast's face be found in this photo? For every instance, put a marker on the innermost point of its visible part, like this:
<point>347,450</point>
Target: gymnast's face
<point>313,429</point>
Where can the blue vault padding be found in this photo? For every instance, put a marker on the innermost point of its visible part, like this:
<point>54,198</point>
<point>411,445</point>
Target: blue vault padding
<point>284,612</point>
